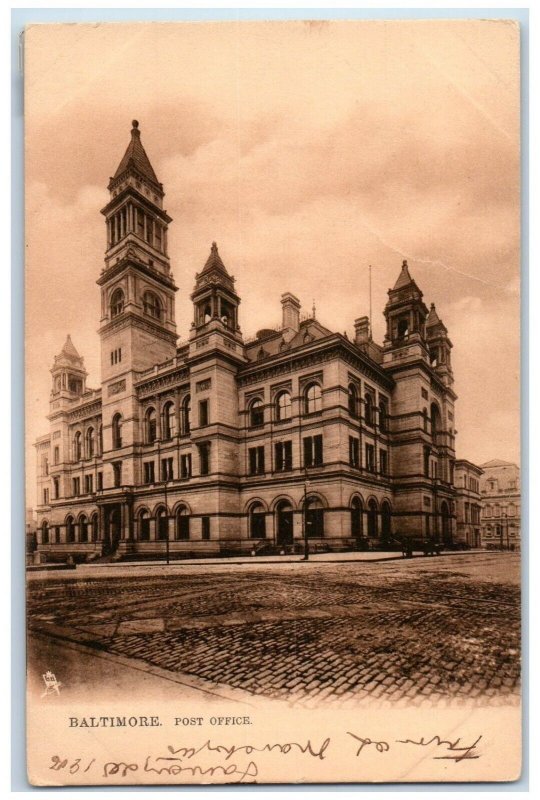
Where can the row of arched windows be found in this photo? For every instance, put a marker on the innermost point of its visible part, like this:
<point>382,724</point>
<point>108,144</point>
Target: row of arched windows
<point>90,445</point>
<point>312,404</point>
<point>168,423</point>
<point>152,305</point>
<point>379,520</point>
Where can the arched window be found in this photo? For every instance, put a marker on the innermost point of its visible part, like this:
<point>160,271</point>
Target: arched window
<point>90,443</point>
<point>383,416</point>
<point>373,522</point>
<point>182,523</point>
<point>186,415</point>
<point>314,518</point>
<point>144,525</point>
<point>368,409</point>
<point>386,520</point>
<point>162,524</point>
<point>487,511</point>
<point>257,521</point>
<point>446,523</point>
<point>95,527</point>
<point>152,305</point>
<point>312,398</point>
<point>283,406</point>
<point>70,530</point>
<point>83,528</point>
<point>77,446</point>
<point>169,420</point>
<point>496,510</point>
<point>117,431</point>
<point>256,413</point>
<point>45,466</point>
<point>117,303</point>
<point>356,518</point>
<point>44,532</point>
<point>352,400</point>
<point>436,425</point>
<point>100,440</point>
<point>511,510</point>
<point>150,424</point>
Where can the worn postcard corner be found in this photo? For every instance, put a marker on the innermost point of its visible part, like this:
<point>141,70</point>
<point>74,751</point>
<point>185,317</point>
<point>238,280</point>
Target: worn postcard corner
<point>272,402</point>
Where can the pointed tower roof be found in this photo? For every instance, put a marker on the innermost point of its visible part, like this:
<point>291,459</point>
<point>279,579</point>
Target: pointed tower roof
<point>404,277</point>
<point>68,357</point>
<point>135,156</point>
<point>70,350</point>
<point>433,317</point>
<point>214,261</point>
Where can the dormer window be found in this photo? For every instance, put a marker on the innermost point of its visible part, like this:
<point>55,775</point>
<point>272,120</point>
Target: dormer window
<point>152,305</point>
<point>117,303</point>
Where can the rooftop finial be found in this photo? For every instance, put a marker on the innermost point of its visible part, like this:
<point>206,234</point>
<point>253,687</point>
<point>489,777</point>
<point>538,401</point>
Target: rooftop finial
<point>214,247</point>
<point>135,128</point>
<point>313,308</point>
<point>404,265</point>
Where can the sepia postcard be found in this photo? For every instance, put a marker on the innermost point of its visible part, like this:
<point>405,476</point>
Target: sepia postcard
<point>272,309</point>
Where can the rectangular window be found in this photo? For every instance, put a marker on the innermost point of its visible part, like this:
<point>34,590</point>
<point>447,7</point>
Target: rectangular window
<point>313,451</point>
<point>204,458</point>
<point>203,413</point>
<point>56,455</point>
<point>88,484</point>
<point>140,223</point>
<point>149,472</point>
<point>112,357</point>
<point>256,460</point>
<point>149,230</point>
<point>117,474</point>
<point>45,496</point>
<point>185,465</point>
<point>100,481</point>
<point>370,458</point>
<point>205,527</point>
<point>283,456</point>
<point>424,394</point>
<point>56,484</point>
<point>383,462</point>
<point>76,486</point>
<point>157,230</point>
<point>354,452</point>
<point>167,469</point>
<point>426,462</point>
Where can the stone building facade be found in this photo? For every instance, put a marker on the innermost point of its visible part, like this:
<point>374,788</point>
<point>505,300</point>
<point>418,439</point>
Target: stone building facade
<point>501,505</point>
<point>220,445</point>
<point>468,506</point>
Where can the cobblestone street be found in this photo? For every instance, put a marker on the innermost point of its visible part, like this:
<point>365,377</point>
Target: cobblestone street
<point>431,630</point>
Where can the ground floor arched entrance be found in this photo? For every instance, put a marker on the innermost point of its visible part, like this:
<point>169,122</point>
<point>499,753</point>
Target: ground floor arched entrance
<point>284,523</point>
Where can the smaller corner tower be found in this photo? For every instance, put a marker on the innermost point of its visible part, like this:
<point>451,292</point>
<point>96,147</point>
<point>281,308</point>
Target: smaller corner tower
<point>214,299</point>
<point>439,346</point>
<point>69,375</point>
<point>405,314</point>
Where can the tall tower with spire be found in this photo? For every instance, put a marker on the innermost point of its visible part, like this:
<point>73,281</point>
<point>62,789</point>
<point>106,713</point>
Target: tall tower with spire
<point>417,354</point>
<point>138,328</point>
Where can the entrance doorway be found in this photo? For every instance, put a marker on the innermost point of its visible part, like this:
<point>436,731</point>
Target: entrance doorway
<point>284,523</point>
<point>113,528</point>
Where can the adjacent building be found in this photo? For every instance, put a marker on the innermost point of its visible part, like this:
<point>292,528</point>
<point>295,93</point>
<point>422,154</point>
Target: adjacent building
<point>501,505</point>
<point>220,444</point>
<point>468,503</point>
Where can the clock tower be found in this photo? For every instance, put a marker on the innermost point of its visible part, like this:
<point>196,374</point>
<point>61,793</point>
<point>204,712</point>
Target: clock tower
<point>138,328</point>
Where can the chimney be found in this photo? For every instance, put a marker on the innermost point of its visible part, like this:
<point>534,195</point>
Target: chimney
<point>291,312</point>
<point>361,331</point>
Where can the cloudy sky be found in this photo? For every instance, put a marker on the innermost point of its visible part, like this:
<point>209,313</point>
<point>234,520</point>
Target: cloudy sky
<point>307,151</point>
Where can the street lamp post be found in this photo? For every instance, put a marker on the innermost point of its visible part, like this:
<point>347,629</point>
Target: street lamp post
<point>166,522</point>
<point>304,520</point>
